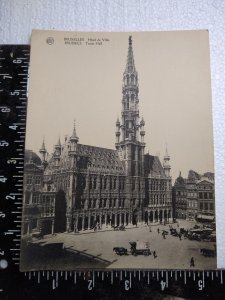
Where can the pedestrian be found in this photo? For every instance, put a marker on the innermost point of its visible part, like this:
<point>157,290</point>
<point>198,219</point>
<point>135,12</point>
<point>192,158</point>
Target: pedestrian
<point>192,262</point>
<point>158,230</point>
<point>180,236</point>
<point>154,254</point>
<point>150,229</point>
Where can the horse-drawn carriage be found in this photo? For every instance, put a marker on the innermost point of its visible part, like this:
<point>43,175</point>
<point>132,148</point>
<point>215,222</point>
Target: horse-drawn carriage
<point>208,252</point>
<point>120,250</point>
<point>139,248</point>
<point>121,227</point>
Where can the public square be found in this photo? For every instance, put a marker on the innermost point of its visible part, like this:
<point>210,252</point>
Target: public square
<point>171,252</point>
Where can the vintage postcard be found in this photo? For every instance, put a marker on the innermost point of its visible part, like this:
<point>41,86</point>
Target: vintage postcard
<point>119,170</point>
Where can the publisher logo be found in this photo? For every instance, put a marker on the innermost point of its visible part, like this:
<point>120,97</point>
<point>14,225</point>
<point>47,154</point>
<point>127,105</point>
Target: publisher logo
<point>50,41</point>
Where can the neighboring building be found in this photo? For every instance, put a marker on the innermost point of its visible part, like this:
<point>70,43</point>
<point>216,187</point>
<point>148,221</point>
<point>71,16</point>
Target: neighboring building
<point>206,198</point>
<point>194,196</point>
<point>180,194</point>
<point>82,186</point>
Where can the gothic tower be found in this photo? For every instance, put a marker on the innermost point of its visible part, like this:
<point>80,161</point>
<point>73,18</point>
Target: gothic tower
<point>130,131</point>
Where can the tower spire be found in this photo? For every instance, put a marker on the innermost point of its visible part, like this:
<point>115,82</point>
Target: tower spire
<point>130,130</point>
<point>130,67</point>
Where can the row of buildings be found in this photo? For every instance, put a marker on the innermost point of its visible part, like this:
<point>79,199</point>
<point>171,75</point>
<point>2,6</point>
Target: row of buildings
<point>194,197</point>
<point>79,186</point>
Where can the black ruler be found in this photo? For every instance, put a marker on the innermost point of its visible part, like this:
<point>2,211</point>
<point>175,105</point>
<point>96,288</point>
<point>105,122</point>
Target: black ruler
<point>130,284</point>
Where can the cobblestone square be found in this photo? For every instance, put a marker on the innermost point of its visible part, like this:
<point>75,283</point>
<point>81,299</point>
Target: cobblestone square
<point>171,252</point>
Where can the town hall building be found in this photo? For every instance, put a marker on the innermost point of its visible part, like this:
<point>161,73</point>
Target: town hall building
<point>80,186</point>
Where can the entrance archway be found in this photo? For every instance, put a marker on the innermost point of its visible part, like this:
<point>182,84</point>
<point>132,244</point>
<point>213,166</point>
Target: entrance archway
<point>146,217</point>
<point>60,212</point>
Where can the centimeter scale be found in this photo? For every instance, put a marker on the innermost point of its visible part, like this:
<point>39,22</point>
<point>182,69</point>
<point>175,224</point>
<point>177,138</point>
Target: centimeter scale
<point>14,63</point>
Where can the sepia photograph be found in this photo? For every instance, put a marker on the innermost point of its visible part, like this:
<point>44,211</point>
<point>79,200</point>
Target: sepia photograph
<point>119,162</point>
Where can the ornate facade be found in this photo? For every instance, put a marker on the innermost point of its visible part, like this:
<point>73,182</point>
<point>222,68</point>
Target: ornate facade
<point>81,186</point>
<point>194,196</point>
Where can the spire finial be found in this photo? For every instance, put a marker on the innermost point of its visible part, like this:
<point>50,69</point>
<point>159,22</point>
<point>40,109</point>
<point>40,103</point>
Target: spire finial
<point>43,144</point>
<point>130,68</point>
<point>74,134</point>
<point>166,153</point>
<point>130,40</point>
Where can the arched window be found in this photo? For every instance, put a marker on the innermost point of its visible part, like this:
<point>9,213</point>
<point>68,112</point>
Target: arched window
<point>132,79</point>
<point>95,183</point>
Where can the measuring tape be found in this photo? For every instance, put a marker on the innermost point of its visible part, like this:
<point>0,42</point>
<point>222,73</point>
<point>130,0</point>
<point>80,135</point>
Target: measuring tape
<point>14,63</point>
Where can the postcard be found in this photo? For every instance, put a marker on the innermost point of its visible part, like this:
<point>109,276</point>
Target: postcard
<point>118,169</point>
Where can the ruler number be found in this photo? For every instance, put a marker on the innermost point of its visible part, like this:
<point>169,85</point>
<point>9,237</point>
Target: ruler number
<point>90,286</point>
<point>15,93</point>
<point>2,215</point>
<point>17,61</point>
<point>10,197</point>
<point>163,285</point>
<point>11,161</point>
<point>2,252</point>
<point>3,179</point>
<point>13,127</point>
<point>127,285</point>
<point>5,109</point>
<point>6,76</point>
<point>4,144</point>
<point>200,285</point>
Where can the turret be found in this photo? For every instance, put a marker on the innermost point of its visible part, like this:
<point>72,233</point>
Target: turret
<point>73,146</point>
<point>142,130</point>
<point>57,153</point>
<point>166,163</point>
<point>117,131</point>
<point>43,152</point>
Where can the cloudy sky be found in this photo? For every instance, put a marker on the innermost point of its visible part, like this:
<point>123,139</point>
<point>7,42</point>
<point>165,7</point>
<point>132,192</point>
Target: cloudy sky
<point>82,80</point>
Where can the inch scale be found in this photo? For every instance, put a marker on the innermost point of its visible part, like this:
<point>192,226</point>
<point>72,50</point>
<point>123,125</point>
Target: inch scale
<point>14,63</point>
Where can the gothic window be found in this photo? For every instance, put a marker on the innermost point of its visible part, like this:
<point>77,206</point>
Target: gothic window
<point>105,183</point>
<point>105,202</point>
<point>123,184</point>
<point>100,203</point>
<point>132,79</point>
<point>95,183</point>
<point>114,186</point>
<point>205,195</point>
<point>114,203</point>
<point>110,203</point>
<point>110,183</point>
<point>90,183</point>
<point>100,182</point>
<point>127,79</point>
<point>37,180</point>
<point>84,183</point>
<point>133,185</point>
<point>49,188</point>
<point>29,179</point>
